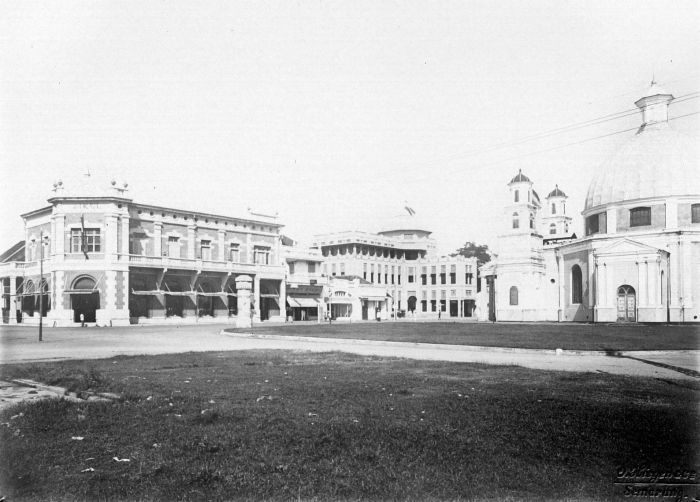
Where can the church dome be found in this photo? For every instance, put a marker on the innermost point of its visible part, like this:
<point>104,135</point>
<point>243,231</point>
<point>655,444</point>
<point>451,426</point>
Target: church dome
<point>556,193</point>
<point>520,178</point>
<point>656,162</point>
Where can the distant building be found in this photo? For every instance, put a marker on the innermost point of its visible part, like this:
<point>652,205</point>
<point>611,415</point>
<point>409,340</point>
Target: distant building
<point>108,260</point>
<point>305,282</point>
<point>402,259</point>
<point>639,260</point>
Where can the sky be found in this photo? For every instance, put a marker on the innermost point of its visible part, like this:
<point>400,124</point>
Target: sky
<point>333,114</point>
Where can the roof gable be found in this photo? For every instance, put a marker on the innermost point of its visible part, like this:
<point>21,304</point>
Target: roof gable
<point>626,247</point>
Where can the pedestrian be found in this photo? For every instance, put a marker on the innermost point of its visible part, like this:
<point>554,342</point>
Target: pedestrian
<point>82,320</point>
<point>439,314</point>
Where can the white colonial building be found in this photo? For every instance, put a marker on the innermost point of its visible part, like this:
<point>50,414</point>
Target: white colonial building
<point>398,272</point>
<point>95,255</point>
<point>639,260</point>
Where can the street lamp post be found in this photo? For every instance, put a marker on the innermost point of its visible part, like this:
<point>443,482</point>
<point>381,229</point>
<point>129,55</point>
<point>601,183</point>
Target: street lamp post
<point>41,281</point>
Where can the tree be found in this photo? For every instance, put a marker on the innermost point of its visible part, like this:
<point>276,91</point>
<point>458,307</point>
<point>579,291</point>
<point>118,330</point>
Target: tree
<point>473,250</point>
<point>480,252</point>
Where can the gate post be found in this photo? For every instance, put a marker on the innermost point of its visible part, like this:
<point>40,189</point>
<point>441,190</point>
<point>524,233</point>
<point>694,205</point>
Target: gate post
<point>244,285</point>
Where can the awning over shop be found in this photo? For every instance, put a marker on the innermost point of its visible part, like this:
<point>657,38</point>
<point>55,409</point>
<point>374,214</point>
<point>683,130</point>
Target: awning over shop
<point>79,291</point>
<point>269,295</point>
<point>153,292</point>
<point>302,301</point>
<point>374,298</point>
<point>341,299</point>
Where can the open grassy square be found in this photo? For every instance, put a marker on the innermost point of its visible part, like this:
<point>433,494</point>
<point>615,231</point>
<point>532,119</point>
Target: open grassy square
<point>605,337</point>
<point>281,425</point>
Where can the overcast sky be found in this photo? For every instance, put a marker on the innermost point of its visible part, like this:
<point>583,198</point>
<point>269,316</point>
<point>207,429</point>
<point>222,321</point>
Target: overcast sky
<point>331,113</point>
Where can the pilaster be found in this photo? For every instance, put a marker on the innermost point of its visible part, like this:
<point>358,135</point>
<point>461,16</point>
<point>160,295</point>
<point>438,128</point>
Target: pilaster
<point>157,238</point>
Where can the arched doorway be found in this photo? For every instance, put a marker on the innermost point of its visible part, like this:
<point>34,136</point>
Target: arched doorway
<point>84,299</point>
<point>626,304</point>
<point>412,303</point>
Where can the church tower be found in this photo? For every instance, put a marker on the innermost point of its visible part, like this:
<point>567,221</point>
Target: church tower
<point>555,222</point>
<point>521,213</point>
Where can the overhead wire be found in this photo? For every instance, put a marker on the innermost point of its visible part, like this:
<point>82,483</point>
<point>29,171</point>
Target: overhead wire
<point>554,132</point>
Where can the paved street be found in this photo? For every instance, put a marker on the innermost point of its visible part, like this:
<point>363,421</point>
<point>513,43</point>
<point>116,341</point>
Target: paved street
<point>20,344</point>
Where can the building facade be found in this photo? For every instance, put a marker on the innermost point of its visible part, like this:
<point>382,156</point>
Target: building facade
<point>639,260</point>
<point>96,256</point>
<point>402,260</point>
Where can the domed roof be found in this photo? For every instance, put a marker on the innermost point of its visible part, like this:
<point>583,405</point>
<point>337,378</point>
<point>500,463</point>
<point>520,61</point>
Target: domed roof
<point>656,162</point>
<point>520,178</point>
<point>403,222</point>
<point>556,192</point>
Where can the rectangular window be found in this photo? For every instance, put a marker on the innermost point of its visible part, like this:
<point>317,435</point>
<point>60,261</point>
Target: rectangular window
<point>468,278</point>
<point>433,278</point>
<point>424,305</point>
<point>411,271</point>
<point>640,216</point>
<point>91,238</point>
<point>312,267</point>
<point>592,224</point>
<point>453,293</point>
<point>443,278</point>
<point>424,279</point>
<point>333,269</point>
<point>364,271</point>
<point>342,269</point>
<point>443,305</point>
<point>291,268</point>
<point>443,294</point>
<point>234,252</point>
<point>453,278</point>
<point>433,305</point>
<point>205,249</point>
<point>261,255</point>
<point>695,213</point>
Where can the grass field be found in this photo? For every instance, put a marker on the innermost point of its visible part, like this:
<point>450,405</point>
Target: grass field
<point>283,426</point>
<point>528,336</point>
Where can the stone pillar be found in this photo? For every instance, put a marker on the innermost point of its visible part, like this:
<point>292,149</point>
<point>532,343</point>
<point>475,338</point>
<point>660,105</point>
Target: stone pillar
<point>243,287</point>
<point>191,242</point>
<point>653,270</point>
<point>643,287</point>
<point>686,270</point>
<point>59,236</point>
<point>13,300</point>
<point>671,213</point>
<point>222,242</point>
<point>605,297</point>
<point>256,297</point>
<point>283,299</point>
<point>112,238</point>
<point>611,221</point>
<point>158,238</point>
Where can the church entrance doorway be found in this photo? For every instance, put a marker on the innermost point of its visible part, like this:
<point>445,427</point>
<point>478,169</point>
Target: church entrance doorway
<point>626,304</point>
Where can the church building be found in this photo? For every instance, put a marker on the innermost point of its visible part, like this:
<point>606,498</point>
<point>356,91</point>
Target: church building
<point>639,260</point>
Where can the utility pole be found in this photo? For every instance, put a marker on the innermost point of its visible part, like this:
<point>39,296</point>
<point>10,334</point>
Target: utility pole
<point>41,285</point>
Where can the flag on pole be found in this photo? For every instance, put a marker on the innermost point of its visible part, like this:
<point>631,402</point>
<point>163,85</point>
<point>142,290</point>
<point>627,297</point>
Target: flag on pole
<point>83,241</point>
<point>409,210</point>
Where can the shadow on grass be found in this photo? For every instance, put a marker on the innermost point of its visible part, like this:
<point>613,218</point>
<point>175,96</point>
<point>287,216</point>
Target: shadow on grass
<point>685,371</point>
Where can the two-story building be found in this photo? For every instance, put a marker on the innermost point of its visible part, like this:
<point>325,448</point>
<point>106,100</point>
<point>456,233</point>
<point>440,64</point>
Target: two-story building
<point>96,256</point>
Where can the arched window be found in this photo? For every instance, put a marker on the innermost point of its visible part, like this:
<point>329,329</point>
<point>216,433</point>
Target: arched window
<point>576,284</point>
<point>513,295</point>
<point>554,208</point>
<point>516,196</point>
<point>532,220</point>
<point>516,221</point>
<point>552,228</point>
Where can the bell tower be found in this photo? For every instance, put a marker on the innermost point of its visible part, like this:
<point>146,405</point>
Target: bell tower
<point>555,222</point>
